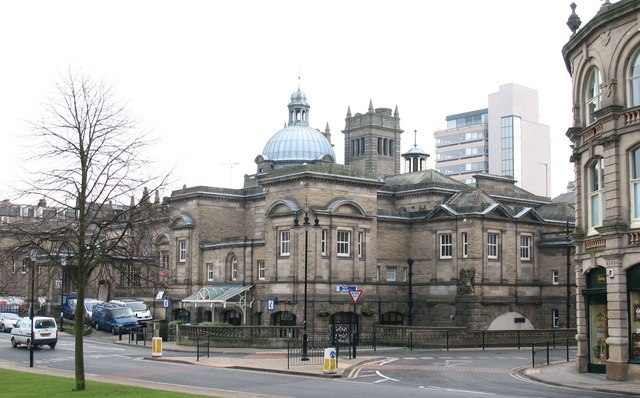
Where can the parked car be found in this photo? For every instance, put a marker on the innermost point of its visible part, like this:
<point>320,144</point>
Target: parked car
<point>67,300</point>
<point>139,308</point>
<point>45,332</point>
<point>7,321</point>
<point>113,317</point>
<point>69,308</point>
<point>88,309</point>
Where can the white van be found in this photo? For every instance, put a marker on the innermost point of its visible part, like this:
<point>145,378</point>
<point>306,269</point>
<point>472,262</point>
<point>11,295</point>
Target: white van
<point>139,308</point>
<point>45,332</point>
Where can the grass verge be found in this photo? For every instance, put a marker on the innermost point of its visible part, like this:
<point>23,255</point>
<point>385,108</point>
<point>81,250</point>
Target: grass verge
<point>17,384</point>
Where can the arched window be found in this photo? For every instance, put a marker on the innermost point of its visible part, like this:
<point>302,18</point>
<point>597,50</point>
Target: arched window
<point>633,79</point>
<point>634,182</point>
<point>596,193</point>
<point>234,268</point>
<point>592,94</point>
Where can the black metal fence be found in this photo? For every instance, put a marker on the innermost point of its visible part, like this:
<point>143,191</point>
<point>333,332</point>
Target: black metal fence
<point>425,338</point>
<point>546,352</point>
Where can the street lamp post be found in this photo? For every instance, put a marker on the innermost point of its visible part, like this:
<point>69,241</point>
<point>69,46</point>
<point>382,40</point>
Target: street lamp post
<point>296,224</point>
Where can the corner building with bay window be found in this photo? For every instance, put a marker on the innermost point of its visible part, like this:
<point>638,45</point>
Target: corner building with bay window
<point>486,256</point>
<point>603,59</point>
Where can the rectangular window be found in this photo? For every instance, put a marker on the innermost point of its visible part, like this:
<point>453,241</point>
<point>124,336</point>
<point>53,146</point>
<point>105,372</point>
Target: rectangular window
<point>14,267</point>
<point>555,318</point>
<point>378,274</point>
<point>23,269</point>
<point>360,244</point>
<point>164,259</point>
<point>555,277</point>
<point>323,242</point>
<point>391,274</point>
<point>209,272</point>
<point>446,246</point>
<point>405,274</point>
<point>493,240</point>
<point>262,270</point>
<point>285,242</point>
<point>525,247</point>
<point>182,251</point>
<point>465,245</point>
<point>343,243</point>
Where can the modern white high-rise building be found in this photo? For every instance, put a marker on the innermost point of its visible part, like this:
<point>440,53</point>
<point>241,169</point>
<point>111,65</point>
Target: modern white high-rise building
<point>505,139</point>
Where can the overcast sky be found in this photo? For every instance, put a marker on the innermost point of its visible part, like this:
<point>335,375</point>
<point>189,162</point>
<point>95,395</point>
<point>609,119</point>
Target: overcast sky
<point>212,79</point>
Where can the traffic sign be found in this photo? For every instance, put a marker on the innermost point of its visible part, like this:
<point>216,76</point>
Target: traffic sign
<point>346,288</point>
<point>355,295</point>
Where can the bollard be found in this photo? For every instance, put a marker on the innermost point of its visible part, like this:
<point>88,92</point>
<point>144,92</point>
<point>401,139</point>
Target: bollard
<point>329,361</point>
<point>156,347</point>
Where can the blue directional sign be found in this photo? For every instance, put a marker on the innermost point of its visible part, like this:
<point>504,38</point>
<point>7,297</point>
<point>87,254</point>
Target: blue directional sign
<point>346,288</point>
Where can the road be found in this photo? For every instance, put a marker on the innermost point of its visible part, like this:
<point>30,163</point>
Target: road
<point>433,374</point>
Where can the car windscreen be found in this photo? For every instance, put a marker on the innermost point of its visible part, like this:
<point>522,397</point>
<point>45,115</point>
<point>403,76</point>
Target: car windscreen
<point>11,315</point>
<point>138,306</point>
<point>89,306</point>
<point>122,312</point>
<point>45,324</point>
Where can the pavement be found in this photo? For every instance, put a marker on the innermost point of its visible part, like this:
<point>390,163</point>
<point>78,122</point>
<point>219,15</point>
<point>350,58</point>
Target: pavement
<point>563,374</point>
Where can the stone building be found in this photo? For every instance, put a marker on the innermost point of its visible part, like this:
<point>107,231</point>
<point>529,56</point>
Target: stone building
<point>488,256</point>
<point>423,248</point>
<point>603,59</point>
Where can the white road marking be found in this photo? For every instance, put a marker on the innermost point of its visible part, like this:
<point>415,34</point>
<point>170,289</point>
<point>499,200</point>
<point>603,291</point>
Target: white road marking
<point>455,390</point>
<point>384,378</point>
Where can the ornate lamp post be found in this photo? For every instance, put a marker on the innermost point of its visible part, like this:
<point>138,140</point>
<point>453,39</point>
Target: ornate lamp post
<point>296,224</point>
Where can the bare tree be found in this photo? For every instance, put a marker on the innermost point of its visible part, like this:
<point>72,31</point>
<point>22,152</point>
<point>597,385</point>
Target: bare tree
<point>87,165</point>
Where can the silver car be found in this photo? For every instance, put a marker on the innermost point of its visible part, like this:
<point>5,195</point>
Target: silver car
<point>8,321</point>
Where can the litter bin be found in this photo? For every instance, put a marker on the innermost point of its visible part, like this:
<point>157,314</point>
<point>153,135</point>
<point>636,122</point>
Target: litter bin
<point>329,361</point>
<point>156,347</point>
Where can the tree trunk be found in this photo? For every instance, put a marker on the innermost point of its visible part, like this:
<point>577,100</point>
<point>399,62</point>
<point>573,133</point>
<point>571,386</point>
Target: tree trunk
<point>79,334</point>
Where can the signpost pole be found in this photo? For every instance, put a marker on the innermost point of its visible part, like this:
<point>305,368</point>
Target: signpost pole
<point>355,295</point>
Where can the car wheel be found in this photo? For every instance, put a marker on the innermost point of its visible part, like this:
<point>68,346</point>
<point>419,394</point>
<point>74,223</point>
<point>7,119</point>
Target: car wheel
<point>29,344</point>
<point>2,329</point>
<point>14,343</point>
<point>96,326</point>
<point>113,330</point>
<point>52,346</point>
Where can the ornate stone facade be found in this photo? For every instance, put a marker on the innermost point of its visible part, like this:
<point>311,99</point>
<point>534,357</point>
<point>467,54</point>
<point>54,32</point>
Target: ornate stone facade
<point>602,59</point>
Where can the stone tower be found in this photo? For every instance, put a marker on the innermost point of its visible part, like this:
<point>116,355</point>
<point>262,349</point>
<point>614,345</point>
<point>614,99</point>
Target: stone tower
<point>372,141</point>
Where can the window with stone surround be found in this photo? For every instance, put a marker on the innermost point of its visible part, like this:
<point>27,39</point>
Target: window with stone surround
<point>493,245</point>
<point>343,243</point>
<point>465,245</point>
<point>323,241</point>
<point>592,95</point>
<point>209,272</point>
<point>595,186</point>
<point>234,268</point>
<point>285,243</point>
<point>262,270</point>
<point>555,318</point>
<point>446,245</point>
<point>392,274</point>
<point>182,250</point>
<point>633,80</point>
<point>525,247</point>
